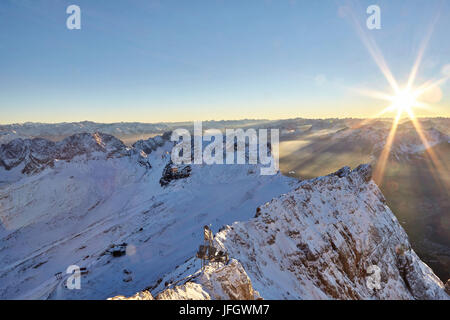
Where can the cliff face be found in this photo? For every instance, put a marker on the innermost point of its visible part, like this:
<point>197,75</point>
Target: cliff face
<point>333,237</point>
<point>228,282</point>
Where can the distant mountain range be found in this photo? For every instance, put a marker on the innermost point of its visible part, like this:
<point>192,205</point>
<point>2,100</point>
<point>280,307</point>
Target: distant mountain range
<point>124,130</point>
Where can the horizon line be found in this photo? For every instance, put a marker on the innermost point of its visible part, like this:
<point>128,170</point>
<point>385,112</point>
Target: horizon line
<point>212,120</point>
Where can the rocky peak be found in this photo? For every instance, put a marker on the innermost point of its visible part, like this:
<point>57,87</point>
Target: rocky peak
<point>325,240</point>
<point>87,143</point>
<point>37,154</point>
<point>218,282</point>
<point>151,144</point>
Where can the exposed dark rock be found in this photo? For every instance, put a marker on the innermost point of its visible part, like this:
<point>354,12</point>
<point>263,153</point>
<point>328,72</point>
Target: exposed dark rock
<point>150,145</point>
<point>343,172</point>
<point>365,171</point>
<point>173,172</point>
<point>117,250</point>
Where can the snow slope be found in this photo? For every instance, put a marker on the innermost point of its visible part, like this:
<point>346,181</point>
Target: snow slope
<point>73,211</point>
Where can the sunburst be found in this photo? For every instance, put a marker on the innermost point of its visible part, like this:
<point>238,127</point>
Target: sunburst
<point>401,100</point>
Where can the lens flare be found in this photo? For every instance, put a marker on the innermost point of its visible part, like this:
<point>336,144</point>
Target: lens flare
<point>404,100</point>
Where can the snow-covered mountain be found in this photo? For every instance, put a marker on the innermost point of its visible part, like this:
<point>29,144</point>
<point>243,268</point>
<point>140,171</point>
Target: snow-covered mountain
<point>89,196</point>
<point>34,155</point>
<point>319,241</point>
<point>133,223</point>
<point>372,134</point>
<point>121,130</point>
<point>31,129</point>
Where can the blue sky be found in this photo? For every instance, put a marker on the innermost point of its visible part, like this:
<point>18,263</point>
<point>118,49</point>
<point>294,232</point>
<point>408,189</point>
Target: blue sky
<point>154,61</point>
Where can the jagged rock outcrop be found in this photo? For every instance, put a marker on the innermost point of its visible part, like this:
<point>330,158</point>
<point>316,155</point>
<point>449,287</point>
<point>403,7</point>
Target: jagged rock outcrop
<point>187,291</point>
<point>143,295</point>
<point>221,282</point>
<point>417,277</point>
<point>229,282</point>
<point>172,172</point>
<point>150,145</point>
<point>37,154</point>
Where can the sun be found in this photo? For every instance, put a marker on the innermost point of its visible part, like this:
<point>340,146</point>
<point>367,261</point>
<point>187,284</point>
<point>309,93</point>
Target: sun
<point>404,101</point>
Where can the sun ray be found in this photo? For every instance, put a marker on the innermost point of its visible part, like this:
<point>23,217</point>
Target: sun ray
<point>438,167</point>
<point>430,84</point>
<point>422,105</point>
<point>403,100</point>
<point>428,147</point>
<point>423,46</point>
<point>372,94</point>
<point>382,161</point>
<point>375,52</point>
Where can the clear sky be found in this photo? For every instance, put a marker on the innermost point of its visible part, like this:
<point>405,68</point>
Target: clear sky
<point>174,60</point>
